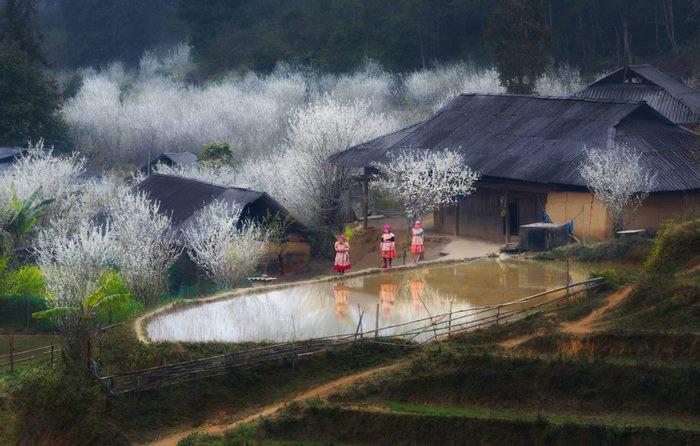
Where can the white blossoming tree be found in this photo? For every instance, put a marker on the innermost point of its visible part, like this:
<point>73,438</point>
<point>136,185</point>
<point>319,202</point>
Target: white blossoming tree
<point>223,248</point>
<point>423,181</point>
<point>617,178</point>
<point>145,245</point>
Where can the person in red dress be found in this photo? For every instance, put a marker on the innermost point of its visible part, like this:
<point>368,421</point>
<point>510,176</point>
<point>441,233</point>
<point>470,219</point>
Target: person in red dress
<point>342,255</point>
<point>387,246</point>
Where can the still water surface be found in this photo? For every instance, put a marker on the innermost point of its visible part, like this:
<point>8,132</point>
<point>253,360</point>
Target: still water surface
<point>333,308</point>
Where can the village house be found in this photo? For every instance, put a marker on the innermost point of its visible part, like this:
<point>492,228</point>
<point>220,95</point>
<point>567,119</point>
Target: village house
<point>671,98</point>
<point>529,149</point>
<point>8,155</point>
<point>184,198</point>
<point>170,159</point>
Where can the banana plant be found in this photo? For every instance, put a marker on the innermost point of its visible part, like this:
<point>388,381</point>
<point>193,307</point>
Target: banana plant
<point>23,216</point>
<point>84,316</point>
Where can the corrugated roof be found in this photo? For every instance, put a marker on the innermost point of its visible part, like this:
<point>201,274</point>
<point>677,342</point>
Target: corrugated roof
<point>181,158</point>
<point>183,198</point>
<point>542,139</point>
<point>8,154</point>
<point>170,159</point>
<point>671,98</point>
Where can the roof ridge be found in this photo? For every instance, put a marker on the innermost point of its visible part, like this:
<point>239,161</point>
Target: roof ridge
<point>562,98</point>
<point>209,183</point>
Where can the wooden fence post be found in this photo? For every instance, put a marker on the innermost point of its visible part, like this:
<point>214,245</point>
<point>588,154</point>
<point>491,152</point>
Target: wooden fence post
<point>376,323</point>
<point>12,351</point>
<point>449,323</point>
<point>498,314</point>
<point>51,353</point>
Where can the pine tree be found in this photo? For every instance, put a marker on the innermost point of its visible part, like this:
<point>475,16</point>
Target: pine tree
<point>518,36</point>
<point>30,103</point>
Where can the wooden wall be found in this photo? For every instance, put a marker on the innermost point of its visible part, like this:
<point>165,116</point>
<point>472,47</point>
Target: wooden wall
<point>479,215</point>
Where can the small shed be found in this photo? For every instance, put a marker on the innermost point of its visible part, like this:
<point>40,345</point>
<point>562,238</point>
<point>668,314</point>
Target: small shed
<point>8,155</point>
<point>543,236</point>
<point>170,159</point>
<point>184,198</point>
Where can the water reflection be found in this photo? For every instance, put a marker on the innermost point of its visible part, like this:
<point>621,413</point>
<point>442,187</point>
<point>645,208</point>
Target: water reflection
<point>341,295</point>
<point>324,309</point>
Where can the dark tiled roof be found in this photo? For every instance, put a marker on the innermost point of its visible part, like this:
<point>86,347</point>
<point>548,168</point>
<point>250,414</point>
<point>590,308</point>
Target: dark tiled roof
<point>183,198</point>
<point>671,98</point>
<point>541,139</point>
<point>181,158</point>
<point>170,159</point>
<point>8,154</point>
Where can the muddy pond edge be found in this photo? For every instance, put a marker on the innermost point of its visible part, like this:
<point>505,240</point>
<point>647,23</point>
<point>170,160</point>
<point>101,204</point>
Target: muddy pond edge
<point>140,323</point>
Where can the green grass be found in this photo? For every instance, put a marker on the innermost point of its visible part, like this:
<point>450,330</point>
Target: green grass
<point>620,249</point>
<point>608,419</point>
<point>88,417</point>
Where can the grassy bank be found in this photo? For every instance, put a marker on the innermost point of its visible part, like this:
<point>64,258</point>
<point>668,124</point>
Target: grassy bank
<point>627,376</point>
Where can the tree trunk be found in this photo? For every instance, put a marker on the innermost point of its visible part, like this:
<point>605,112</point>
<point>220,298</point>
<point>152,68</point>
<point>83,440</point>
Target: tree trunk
<point>669,22</point>
<point>626,40</point>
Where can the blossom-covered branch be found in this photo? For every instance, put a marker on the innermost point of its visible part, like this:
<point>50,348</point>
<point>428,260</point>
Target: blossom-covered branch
<point>423,181</point>
<point>616,177</point>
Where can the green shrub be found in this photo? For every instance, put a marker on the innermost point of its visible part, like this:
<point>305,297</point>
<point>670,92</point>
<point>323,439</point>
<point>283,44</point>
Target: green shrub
<point>27,281</point>
<point>675,246</point>
<point>217,153</point>
<point>55,403</point>
<point>624,248</point>
<point>16,313</point>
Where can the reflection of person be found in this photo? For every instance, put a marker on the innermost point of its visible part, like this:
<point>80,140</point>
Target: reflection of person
<point>417,240</point>
<point>341,295</point>
<point>417,294</point>
<point>387,246</point>
<point>342,255</point>
<point>387,296</point>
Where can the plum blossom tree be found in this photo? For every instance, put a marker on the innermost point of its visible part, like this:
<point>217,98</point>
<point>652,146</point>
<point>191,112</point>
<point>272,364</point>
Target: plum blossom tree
<point>314,188</point>
<point>223,247</point>
<point>58,178</point>
<point>145,246</point>
<point>73,262</point>
<point>423,181</point>
<point>617,178</point>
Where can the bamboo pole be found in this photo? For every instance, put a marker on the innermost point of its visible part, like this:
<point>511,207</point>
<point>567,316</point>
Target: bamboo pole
<point>376,322</point>
<point>449,326</point>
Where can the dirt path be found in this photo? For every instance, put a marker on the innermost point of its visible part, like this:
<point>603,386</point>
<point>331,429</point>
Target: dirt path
<point>585,325</point>
<point>516,342</point>
<point>221,425</point>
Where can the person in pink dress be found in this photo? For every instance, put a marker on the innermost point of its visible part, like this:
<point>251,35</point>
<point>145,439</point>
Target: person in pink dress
<point>417,240</point>
<point>387,246</point>
<point>342,255</point>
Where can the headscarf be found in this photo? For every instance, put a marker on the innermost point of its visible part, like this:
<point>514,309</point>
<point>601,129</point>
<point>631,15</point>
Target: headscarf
<point>341,238</point>
<point>387,228</point>
<point>418,224</point>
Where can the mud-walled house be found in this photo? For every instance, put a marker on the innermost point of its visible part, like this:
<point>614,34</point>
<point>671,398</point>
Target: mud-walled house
<point>671,98</point>
<point>184,198</point>
<point>529,149</point>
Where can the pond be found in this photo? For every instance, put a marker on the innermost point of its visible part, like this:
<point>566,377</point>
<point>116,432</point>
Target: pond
<point>323,309</point>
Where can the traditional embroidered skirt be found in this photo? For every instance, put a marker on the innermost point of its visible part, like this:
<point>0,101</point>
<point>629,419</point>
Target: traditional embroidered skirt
<point>417,249</point>
<point>342,261</point>
<point>388,254</point>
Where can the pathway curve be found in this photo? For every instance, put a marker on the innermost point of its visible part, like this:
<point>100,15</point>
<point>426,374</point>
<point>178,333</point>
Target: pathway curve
<point>585,325</point>
<point>221,425</point>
